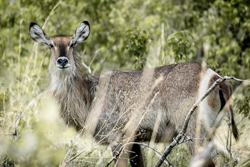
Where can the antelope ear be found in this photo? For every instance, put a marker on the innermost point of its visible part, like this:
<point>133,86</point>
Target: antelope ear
<point>82,33</point>
<point>38,35</point>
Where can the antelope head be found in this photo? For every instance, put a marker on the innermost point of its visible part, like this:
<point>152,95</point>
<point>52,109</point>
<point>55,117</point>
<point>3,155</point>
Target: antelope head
<point>63,64</point>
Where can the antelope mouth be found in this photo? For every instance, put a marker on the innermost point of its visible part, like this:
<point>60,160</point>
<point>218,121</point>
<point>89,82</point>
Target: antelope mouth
<point>65,67</point>
<point>62,63</point>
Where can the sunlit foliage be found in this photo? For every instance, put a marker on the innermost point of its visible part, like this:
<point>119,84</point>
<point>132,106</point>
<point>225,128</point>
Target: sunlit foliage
<point>124,35</point>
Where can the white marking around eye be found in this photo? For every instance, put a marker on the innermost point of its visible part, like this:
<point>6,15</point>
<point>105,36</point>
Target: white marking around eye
<point>69,44</point>
<point>53,44</point>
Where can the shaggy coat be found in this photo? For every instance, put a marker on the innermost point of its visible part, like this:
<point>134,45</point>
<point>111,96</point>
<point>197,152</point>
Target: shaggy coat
<point>123,106</point>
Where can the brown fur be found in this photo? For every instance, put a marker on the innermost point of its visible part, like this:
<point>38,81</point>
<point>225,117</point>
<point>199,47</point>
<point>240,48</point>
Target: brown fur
<point>122,106</point>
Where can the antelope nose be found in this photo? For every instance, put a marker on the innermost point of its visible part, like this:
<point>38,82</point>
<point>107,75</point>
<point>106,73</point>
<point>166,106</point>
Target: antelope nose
<point>62,62</point>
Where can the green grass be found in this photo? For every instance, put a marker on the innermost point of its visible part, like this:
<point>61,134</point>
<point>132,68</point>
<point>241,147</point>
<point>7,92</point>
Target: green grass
<point>33,134</point>
<point>31,130</point>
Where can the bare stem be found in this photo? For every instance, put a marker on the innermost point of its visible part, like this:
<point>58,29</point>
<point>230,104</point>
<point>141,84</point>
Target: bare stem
<point>166,161</point>
<point>175,142</point>
<point>71,159</point>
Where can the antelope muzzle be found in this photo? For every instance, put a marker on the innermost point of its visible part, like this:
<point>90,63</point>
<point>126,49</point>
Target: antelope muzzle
<point>62,63</point>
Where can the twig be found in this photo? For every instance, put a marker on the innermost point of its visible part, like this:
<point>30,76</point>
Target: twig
<point>224,150</point>
<point>85,65</point>
<point>185,126</point>
<point>112,159</point>
<point>100,62</point>
<point>71,159</point>
<point>88,67</point>
<point>166,161</point>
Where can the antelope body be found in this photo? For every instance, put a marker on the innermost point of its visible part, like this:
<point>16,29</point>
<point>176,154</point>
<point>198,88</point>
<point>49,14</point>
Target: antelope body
<point>122,106</point>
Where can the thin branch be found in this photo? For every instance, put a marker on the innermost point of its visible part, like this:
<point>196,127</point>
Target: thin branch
<point>85,65</point>
<point>166,161</point>
<point>71,159</point>
<point>100,62</point>
<point>224,150</point>
<point>191,111</point>
<point>112,159</point>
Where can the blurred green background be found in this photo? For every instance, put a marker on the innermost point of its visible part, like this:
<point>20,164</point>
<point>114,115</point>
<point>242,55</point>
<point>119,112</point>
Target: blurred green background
<point>125,35</point>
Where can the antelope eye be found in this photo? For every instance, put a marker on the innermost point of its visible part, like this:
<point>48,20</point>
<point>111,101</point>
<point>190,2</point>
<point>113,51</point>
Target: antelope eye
<point>51,45</point>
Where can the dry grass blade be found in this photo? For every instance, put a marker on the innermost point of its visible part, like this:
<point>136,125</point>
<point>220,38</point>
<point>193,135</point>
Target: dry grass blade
<point>175,142</point>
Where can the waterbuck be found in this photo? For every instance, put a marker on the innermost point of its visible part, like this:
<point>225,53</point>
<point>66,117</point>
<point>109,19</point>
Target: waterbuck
<point>118,107</point>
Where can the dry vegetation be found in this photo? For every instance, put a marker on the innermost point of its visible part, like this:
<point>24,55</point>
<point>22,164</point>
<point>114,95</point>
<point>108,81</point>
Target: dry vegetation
<point>31,130</point>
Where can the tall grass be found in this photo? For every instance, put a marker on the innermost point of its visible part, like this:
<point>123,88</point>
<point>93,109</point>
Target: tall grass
<point>33,134</point>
